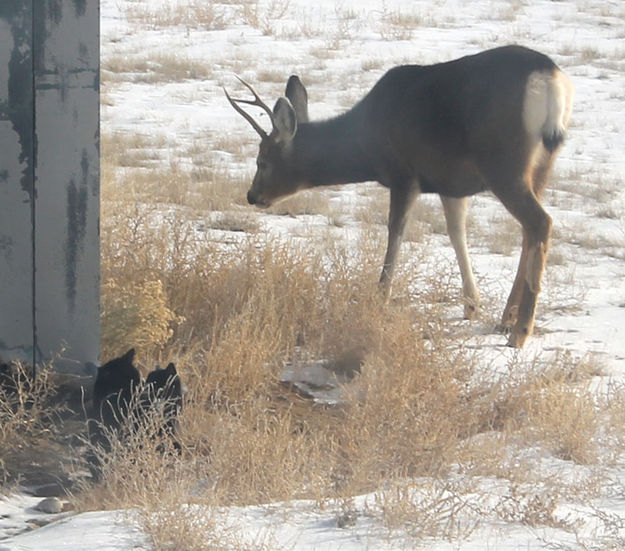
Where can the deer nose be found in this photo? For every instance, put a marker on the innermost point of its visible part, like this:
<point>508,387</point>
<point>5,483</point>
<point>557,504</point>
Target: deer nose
<point>250,198</point>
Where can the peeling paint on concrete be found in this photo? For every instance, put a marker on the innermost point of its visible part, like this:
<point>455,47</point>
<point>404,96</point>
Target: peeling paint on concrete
<point>80,7</point>
<point>16,181</point>
<point>76,224</point>
<point>49,189</point>
<point>55,10</point>
<point>6,247</point>
<point>18,107</point>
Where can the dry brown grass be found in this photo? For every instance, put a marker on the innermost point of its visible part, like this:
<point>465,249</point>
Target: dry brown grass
<point>549,405</point>
<point>504,235</point>
<point>194,14</point>
<point>153,69</point>
<point>134,169</point>
<point>123,150</point>
<point>240,315</point>
<point>29,421</point>
<point>263,15</point>
<point>427,508</point>
<point>397,24</point>
<point>307,202</point>
<point>242,312</point>
<point>189,527</point>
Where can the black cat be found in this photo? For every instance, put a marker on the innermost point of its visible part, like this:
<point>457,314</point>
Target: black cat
<point>115,385</point>
<point>121,401</point>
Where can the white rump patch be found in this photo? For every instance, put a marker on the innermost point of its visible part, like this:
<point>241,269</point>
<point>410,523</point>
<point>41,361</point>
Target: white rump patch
<point>547,104</point>
<point>536,104</point>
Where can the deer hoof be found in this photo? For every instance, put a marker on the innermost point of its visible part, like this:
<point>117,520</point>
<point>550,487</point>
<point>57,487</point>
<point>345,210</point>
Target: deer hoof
<point>516,341</point>
<point>518,336</point>
<point>471,311</point>
<point>503,328</point>
<point>508,320</point>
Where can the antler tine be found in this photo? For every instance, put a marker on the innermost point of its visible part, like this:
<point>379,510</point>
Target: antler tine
<point>256,101</point>
<point>246,115</point>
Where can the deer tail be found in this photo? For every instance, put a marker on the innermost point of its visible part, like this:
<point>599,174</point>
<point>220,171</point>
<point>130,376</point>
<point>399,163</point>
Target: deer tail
<point>547,107</point>
<point>559,105</point>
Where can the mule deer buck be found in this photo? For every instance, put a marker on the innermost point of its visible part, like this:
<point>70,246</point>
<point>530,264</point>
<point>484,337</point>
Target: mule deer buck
<point>491,121</point>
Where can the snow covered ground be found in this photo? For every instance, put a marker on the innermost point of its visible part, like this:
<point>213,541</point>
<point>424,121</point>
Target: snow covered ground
<point>340,48</point>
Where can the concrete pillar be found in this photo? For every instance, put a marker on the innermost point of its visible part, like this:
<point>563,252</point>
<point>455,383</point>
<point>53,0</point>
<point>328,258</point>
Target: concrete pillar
<point>49,182</point>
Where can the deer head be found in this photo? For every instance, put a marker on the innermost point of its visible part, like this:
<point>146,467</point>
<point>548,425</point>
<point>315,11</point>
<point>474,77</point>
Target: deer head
<point>276,175</point>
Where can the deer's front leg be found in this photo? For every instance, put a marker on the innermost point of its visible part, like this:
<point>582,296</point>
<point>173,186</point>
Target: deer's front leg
<point>402,197</point>
<point>456,217</point>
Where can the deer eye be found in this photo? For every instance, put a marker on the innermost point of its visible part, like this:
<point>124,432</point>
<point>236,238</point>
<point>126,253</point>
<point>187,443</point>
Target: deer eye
<point>262,165</point>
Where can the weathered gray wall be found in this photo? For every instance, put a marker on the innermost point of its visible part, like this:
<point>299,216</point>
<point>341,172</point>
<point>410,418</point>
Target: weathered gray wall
<point>49,181</point>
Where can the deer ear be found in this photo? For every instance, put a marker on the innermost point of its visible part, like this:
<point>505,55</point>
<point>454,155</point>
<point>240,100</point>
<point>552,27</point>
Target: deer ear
<point>297,95</point>
<point>284,120</point>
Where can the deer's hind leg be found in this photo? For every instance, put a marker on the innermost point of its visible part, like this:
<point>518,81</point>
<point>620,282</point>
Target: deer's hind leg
<point>536,223</point>
<point>517,178</point>
<point>539,178</point>
<point>511,311</point>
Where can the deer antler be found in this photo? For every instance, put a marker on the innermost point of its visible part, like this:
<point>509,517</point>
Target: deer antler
<point>256,101</point>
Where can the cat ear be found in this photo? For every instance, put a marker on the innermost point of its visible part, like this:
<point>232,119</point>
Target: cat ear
<point>129,356</point>
<point>171,369</point>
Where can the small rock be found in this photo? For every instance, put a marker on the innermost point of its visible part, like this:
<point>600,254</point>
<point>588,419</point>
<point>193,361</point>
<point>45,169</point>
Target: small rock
<point>50,505</point>
<point>347,519</point>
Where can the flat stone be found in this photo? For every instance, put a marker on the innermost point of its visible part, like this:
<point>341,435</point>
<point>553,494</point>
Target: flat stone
<point>50,506</point>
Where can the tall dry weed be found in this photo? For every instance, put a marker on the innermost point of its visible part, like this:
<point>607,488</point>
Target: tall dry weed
<point>30,418</point>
